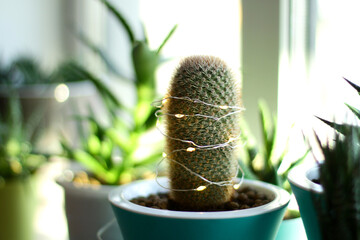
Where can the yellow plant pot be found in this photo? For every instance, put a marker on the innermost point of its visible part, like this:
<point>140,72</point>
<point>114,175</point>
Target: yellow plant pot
<point>17,209</point>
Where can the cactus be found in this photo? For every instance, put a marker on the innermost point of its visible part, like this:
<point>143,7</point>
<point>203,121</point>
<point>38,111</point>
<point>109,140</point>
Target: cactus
<point>201,93</point>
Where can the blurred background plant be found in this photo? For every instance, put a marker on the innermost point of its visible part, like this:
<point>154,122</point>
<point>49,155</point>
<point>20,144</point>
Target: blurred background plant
<point>113,152</point>
<point>266,163</point>
<point>46,94</point>
<point>25,70</point>
<point>17,156</point>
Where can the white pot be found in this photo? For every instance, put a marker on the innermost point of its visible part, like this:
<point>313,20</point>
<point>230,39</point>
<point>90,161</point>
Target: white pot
<point>87,208</point>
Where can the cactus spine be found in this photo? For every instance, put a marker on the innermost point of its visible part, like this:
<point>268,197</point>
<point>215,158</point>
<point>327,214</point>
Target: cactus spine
<point>209,80</point>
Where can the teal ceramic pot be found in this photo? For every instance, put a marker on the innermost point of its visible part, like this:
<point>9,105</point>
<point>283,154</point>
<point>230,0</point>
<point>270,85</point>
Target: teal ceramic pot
<point>138,222</point>
<point>291,229</point>
<point>306,191</point>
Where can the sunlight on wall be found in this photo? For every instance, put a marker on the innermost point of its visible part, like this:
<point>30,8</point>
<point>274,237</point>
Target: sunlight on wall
<point>337,55</point>
<point>317,88</point>
<point>204,28</point>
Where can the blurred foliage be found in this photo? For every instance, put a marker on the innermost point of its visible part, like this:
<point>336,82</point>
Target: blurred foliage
<point>262,162</point>
<point>17,157</point>
<point>19,135</point>
<point>26,70</point>
<point>109,150</point>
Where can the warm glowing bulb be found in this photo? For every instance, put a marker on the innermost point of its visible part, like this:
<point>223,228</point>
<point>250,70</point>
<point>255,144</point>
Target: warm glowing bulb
<point>164,154</point>
<point>201,188</point>
<point>236,186</point>
<point>164,101</point>
<point>190,149</point>
<point>224,107</point>
<point>61,93</point>
<point>232,139</point>
<point>179,115</point>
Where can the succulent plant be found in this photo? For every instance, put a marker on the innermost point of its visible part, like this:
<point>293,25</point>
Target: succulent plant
<point>338,209</point>
<point>260,161</point>
<point>201,130</point>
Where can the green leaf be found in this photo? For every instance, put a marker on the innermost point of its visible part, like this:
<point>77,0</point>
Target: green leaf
<point>356,87</point>
<point>98,129</point>
<point>94,144</point>
<point>120,138</point>
<point>89,161</point>
<point>248,173</point>
<point>145,62</point>
<point>342,128</point>
<point>26,70</point>
<point>166,39</point>
<point>295,163</point>
<point>121,20</point>
<point>151,120</point>
<point>268,129</point>
<point>354,110</point>
<point>15,117</point>
<point>106,151</point>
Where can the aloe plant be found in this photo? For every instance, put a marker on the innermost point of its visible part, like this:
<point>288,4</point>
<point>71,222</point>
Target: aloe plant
<point>338,208</point>
<point>108,151</point>
<point>344,127</point>
<point>259,161</point>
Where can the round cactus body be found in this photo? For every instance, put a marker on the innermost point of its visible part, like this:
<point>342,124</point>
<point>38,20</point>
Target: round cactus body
<point>201,130</point>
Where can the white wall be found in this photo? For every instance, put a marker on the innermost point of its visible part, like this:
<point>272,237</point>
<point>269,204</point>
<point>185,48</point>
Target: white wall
<point>31,27</point>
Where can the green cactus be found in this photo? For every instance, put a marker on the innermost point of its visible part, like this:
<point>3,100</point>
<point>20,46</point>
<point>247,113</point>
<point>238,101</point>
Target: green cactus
<point>201,86</point>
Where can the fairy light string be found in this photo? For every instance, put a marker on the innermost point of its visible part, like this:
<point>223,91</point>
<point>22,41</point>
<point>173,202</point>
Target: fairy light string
<point>196,147</point>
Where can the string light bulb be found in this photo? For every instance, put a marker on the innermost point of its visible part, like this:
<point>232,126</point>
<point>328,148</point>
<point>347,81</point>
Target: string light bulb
<point>201,188</point>
<point>236,186</point>
<point>234,110</point>
<point>179,115</point>
<point>191,149</point>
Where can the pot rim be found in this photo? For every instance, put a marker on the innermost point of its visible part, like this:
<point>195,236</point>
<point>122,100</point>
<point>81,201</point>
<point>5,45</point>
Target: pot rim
<point>301,176</point>
<point>119,198</point>
<point>79,88</point>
